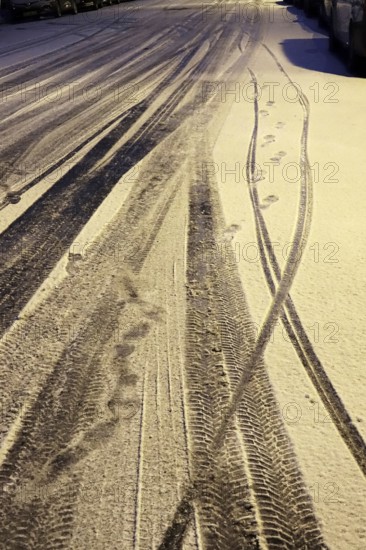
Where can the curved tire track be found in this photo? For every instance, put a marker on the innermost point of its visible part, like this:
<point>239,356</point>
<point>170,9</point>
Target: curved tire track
<point>81,191</point>
<point>295,329</point>
<point>65,407</point>
<point>219,325</point>
<point>74,411</point>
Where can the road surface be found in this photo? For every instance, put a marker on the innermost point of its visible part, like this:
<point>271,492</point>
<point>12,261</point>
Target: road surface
<point>182,287</point>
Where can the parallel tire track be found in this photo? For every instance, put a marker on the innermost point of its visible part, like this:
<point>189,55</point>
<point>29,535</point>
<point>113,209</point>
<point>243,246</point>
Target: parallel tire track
<point>29,44</point>
<point>220,342</point>
<point>285,509</point>
<point>295,329</point>
<point>289,522</point>
<point>78,370</point>
<point>37,42</point>
<point>79,193</point>
<point>225,515</point>
<point>244,469</point>
<point>115,83</point>
<point>64,422</point>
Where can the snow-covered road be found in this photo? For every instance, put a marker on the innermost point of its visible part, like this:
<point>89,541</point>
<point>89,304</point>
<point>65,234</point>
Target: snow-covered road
<point>182,281</point>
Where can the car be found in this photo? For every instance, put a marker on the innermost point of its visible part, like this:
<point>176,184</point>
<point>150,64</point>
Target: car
<point>95,4</point>
<point>69,6</point>
<point>347,28</point>
<point>14,10</point>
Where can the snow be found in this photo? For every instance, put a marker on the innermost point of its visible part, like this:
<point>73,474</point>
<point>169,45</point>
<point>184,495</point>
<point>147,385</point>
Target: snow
<point>329,289</point>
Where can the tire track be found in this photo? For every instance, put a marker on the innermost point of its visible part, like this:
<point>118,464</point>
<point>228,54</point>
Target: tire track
<point>239,530</point>
<point>68,405</point>
<point>45,247</point>
<point>220,343</point>
<point>37,42</point>
<point>14,191</point>
<point>102,109</point>
<point>290,522</point>
<point>73,188</point>
<point>71,107</point>
<point>143,211</point>
<point>223,522</point>
<point>85,56</point>
<point>101,29</point>
<point>78,372</point>
<point>292,323</point>
<point>301,233</point>
<point>133,72</point>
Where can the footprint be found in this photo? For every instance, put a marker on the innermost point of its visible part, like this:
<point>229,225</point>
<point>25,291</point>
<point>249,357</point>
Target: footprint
<point>124,350</point>
<point>66,458</point>
<point>280,124</point>
<point>230,231</point>
<point>275,159</point>
<point>124,283</point>
<point>132,291</point>
<point>121,304</point>
<point>268,139</point>
<point>100,432</point>
<point>281,153</point>
<point>233,228</point>
<point>270,103</point>
<point>268,201</point>
<point>259,177</point>
<point>263,112</point>
<point>128,379</point>
<point>138,332</point>
<point>155,313</point>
